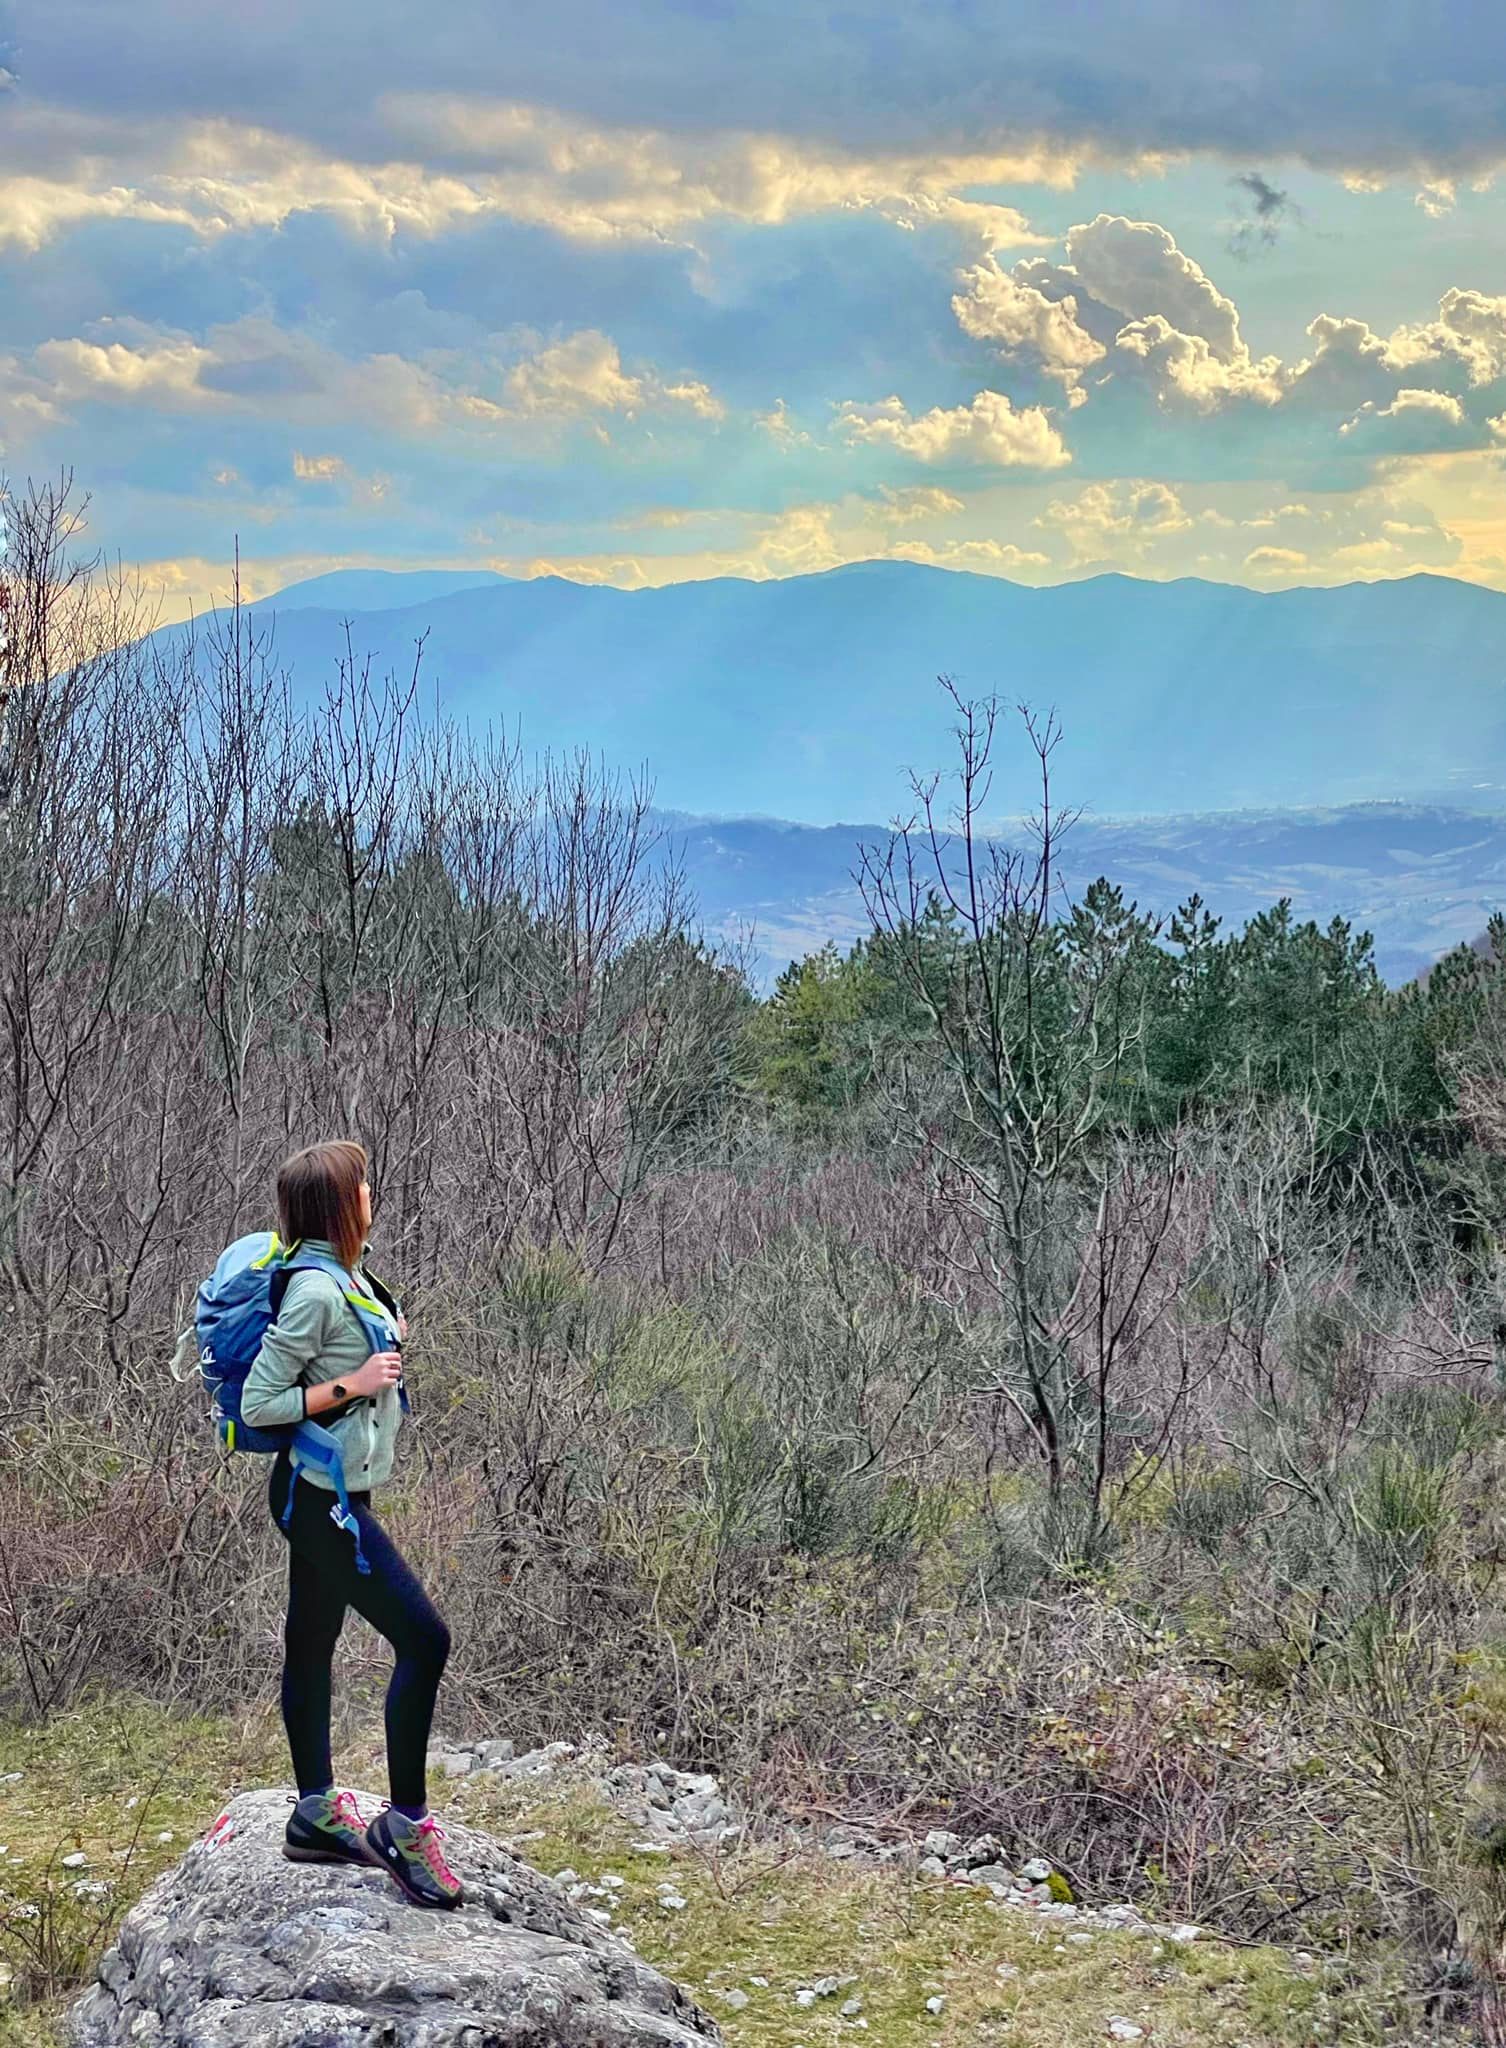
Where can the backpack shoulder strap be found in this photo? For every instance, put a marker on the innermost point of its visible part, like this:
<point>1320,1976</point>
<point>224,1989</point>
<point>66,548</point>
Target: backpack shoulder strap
<point>372,1311</point>
<point>369,1310</point>
<point>384,1294</point>
<point>280,1278</point>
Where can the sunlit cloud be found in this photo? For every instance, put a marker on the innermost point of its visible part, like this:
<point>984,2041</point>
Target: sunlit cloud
<point>1115,518</point>
<point>587,183</point>
<point>989,430</point>
<point>626,330</point>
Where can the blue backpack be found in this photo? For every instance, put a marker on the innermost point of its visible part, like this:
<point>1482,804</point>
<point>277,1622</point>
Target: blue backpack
<point>236,1307</point>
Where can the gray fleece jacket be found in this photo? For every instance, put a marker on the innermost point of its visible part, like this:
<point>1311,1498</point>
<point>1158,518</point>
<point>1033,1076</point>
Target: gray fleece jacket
<point>315,1338</point>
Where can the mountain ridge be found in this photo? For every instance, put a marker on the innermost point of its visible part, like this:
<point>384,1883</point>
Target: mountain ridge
<point>1346,746</point>
<point>809,697</point>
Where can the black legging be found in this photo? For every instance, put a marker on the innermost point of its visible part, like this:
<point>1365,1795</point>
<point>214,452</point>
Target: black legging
<point>322,1583</point>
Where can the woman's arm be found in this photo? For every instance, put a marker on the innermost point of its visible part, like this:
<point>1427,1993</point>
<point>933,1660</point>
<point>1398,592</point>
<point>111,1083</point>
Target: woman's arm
<point>273,1396</point>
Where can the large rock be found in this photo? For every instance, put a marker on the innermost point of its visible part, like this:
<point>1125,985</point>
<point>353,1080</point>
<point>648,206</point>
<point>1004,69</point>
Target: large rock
<point>238,1948</point>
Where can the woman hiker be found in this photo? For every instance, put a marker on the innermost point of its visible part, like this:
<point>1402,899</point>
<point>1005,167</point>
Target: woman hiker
<point>314,1364</point>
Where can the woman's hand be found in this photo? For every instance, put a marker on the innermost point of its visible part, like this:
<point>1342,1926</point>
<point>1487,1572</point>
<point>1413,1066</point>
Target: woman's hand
<point>382,1370</point>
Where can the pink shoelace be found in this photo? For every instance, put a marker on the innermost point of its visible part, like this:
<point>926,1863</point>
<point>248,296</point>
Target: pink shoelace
<point>348,1812</point>
<point>430,1835</point>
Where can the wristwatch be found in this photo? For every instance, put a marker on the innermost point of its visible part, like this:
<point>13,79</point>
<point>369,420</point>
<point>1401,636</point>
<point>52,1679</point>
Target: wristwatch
<point>340,1392</point>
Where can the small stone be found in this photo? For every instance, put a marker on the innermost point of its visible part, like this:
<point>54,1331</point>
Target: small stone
<point>566,1876</point>
<point>805,1996</point>
<point>851,2007</point>
<point>490,1754</point>
<point>673,1902</point>
<point>761,1982</point>
<point>77,1861</point>
<point>936,2005</point>
<point>612,1881</point>
<point>983,1849</point>
<point>1125,2030</point>
<point>1036,1871</point>
<point>166,1835</point>
<point>941,1842</point>
<point>1185,1933</point>
<point>993,1874</point>
<point>736,1998</point>
<point>458,1764</point>
<point>930,1866</point>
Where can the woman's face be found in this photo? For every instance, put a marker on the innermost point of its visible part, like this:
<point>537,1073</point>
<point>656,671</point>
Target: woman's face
<point>365,1207</point>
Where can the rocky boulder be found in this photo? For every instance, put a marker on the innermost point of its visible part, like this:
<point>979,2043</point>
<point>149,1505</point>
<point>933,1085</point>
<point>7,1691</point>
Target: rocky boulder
<point>238,1948</point>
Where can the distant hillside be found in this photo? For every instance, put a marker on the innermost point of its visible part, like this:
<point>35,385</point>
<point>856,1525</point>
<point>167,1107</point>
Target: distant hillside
<point>1233,732</point>
<point>808,697</point>
<point>377,590</point>
<point>1421,878</point>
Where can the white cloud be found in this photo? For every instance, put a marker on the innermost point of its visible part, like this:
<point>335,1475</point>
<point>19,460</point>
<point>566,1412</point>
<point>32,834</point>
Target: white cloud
<point>166,375</point>
<point>1117,519</point>
<point>1129,303</point>
<point>1136,268</point>
<point>590,183</point>
<point>997,307</point>
<point>991,227</point>
<point>1470,326</point>
<point>780,427</point>
<point>989,557</point>
<point>25,410</point>
<point>1433,405</point>
<point>1189,365</point>
<point>919,501</point>
<point>1128,294</point>
<point>584,374</point>
<point>989,430</point>
<point>334,469</point>
<point>1463,349</point>
<point>255,368</point>
<point>1272,561</point>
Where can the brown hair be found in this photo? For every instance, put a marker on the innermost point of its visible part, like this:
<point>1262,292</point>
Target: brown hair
<point>319,1195</point>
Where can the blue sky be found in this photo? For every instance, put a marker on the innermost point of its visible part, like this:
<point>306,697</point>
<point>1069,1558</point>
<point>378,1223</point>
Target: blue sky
<point>637,293</point>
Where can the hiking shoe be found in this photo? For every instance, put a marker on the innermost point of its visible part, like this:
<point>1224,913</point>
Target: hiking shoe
<point>409,1851</point>
<point>327,1827</point>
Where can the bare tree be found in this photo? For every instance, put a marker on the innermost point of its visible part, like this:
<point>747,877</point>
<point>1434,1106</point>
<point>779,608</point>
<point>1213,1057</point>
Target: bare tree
<point>1064,1232</point>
